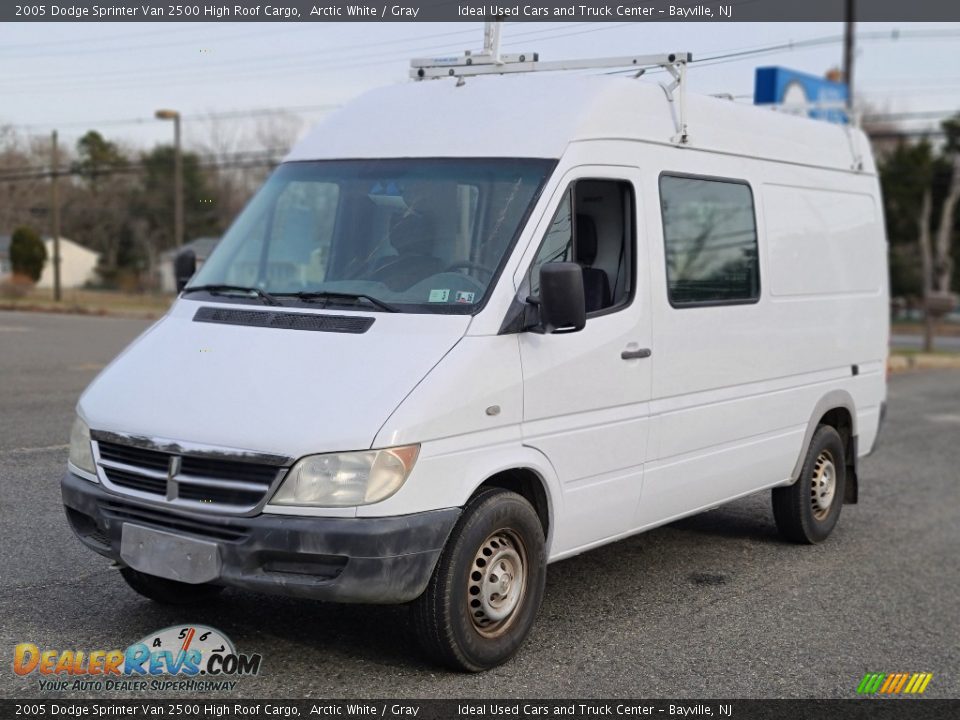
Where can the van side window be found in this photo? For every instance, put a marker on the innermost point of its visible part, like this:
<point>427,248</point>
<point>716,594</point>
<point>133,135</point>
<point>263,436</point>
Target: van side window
<point>710,237</point>
<point>593,227</point>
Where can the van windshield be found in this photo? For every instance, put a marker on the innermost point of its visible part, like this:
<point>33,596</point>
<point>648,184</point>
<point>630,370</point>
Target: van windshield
<point>418,235</point>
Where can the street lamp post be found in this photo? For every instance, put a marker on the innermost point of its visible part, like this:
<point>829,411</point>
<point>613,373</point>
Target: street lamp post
<point>177,175</point>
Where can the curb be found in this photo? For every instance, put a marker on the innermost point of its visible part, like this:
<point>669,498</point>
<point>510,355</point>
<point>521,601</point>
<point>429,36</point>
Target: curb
<point>922,361</point>
<point>82,310</point>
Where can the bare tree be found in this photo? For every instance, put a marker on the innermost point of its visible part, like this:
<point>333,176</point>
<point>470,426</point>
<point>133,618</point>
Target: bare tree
<point>244,155</point>
<point>24,199</point>
<point>937,259</point>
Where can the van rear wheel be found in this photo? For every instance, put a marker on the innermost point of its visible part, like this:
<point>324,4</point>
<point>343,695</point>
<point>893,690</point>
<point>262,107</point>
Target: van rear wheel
<point>487,587</point>
<point>808,510</point>
<point>168,592</point>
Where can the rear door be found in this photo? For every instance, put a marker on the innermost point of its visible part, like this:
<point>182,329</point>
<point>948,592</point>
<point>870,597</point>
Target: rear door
<point>586,393</point>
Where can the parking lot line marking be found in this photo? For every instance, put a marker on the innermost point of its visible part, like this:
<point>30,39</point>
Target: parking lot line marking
<point>28,450</point>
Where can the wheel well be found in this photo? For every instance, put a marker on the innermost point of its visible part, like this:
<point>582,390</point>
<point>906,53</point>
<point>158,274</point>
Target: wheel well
<point>839,419</point>
<point>527,484</point>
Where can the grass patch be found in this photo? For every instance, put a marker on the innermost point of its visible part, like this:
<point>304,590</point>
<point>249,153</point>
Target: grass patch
<point>91,302</point>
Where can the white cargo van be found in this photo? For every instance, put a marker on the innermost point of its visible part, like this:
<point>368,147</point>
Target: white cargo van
<point>473,326</point>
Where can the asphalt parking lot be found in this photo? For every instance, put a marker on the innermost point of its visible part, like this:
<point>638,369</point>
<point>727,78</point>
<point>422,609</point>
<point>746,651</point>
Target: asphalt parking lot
<point>712,606</point>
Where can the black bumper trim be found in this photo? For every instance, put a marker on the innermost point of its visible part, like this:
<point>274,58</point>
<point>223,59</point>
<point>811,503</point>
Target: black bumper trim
<point>366,560</point>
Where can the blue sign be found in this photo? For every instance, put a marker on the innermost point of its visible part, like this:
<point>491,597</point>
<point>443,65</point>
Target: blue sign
<point>782,86</point>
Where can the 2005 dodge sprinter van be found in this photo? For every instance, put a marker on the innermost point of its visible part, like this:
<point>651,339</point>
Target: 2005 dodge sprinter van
<point>470,328</point>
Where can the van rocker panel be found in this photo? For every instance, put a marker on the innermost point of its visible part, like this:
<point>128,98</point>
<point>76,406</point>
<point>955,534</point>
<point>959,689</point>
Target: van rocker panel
<point>363,560</point>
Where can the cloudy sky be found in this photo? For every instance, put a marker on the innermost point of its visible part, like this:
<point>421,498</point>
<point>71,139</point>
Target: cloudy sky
<point>113,76</point>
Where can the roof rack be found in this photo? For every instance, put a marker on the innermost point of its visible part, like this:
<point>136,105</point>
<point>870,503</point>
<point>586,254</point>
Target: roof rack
<point>483,63</point>
<point>490,61</point>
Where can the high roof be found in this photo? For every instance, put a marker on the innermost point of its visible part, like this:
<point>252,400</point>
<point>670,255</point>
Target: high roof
<point>538,115</point>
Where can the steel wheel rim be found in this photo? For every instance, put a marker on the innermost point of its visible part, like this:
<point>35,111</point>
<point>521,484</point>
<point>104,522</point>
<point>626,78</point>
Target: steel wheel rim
<point>823,485</point>
<point>497,583</point>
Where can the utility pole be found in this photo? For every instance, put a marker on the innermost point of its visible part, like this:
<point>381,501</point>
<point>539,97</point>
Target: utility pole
<point>55,212</point>
<point>177,175</point>
<point>848,49</point>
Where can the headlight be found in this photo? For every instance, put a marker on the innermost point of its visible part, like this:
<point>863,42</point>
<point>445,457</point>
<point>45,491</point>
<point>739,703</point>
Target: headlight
<point>81,454</point>
<point>347,479</point>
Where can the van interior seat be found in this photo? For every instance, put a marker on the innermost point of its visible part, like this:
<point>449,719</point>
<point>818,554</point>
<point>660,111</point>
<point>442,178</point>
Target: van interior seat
<point>412,236</point>
<point>596,284</point>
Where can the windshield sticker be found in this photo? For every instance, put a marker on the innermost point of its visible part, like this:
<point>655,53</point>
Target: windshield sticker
<point>389,195</point>
<point>439,295</point>
<point>465,297</point>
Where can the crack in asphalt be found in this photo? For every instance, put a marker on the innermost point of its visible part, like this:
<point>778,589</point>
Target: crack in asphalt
<point>10,589</point>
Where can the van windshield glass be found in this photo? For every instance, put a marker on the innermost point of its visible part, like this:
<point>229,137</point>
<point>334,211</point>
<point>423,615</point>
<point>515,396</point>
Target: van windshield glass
<point>418,235</point>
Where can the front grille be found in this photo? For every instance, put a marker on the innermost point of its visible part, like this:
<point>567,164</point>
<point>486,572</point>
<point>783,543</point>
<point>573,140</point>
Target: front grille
<point>222,496</point>
<point>200,482</point>
<point>133,481</point>
<point>228,470</point>
<point>130,455</point>
<point>118,512</point>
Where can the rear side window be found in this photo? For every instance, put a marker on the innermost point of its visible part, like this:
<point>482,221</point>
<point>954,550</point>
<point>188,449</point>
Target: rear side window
<point>710,234</point>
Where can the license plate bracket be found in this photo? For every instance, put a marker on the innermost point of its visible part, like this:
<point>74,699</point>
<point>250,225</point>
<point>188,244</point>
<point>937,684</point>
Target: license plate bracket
<point>170,556</point>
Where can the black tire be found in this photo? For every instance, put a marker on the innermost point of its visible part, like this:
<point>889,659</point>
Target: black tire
<point>449,618</point>
<point>168,592</point>
<point>800,510</point>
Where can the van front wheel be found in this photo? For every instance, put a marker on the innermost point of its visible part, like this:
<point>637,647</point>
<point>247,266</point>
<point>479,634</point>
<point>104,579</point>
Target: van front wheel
<point>808,510</point>
<point>487,587</point>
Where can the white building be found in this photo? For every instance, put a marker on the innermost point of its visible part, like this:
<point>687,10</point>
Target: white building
<point>78,265</point>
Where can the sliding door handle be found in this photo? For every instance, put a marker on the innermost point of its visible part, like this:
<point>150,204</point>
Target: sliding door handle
<point>635,354</point>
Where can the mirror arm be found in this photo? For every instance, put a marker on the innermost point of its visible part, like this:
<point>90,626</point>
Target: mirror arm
<point>522,316</point>
<point>531,316</point>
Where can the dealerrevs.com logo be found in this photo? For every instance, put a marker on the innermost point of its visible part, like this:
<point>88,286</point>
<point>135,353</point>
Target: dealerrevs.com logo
<point>894,683</point>
<point>193,658</point>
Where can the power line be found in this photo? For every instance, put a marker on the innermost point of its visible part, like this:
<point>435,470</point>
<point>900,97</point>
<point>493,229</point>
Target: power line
<point>106,38</point>
<point>204,160</point>
<point>197,117</point>
<point>258,158</point>
<point>260,60</point>
<point>877,35</point>
<point>901,134</point>
<point>912,115</point>
<point>720,58</point>
<point>302,67</point>
<point>153,46</point>
<point>271,155</point>
<point>267,66</point>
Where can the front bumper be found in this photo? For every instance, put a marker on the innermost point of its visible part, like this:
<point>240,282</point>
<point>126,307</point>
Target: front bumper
<point>365,560</point>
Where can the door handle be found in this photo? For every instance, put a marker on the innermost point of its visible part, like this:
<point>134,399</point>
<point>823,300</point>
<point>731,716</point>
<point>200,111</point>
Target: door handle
<point>636,354</point>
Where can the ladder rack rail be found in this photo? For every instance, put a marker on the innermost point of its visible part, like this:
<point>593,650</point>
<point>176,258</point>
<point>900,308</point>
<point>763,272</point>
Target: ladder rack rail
<point>490,61</point>
<point>471,64</point>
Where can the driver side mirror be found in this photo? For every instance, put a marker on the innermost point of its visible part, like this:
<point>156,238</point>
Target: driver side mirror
<point>563,306</point>
<point>184,267</point>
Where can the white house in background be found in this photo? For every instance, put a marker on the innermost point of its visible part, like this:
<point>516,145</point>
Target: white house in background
<point>202,246</point>
<point>4,256</point>
<point>78,265</point>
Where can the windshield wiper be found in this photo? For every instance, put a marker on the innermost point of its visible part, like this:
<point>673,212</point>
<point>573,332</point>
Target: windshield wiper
<point>234,290</point>
<point>326,295</point>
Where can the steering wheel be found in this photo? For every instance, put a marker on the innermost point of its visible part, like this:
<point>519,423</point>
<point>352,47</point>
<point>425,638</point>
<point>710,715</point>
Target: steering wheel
<point>467,265</point>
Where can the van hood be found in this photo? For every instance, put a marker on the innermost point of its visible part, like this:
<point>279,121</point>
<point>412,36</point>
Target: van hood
<point>260,389</point>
